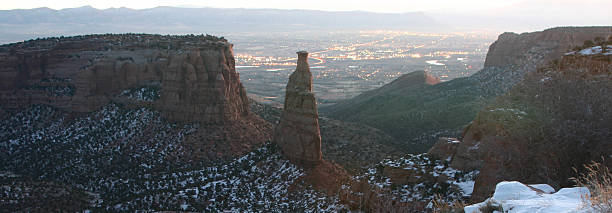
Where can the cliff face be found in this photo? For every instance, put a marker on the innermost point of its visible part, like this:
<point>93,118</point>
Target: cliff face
<point>188,79</point>
<point>513,55</point>
<point>298,132</point>
<point>511,48</point>
<point>196,74</point>
<point>202,83</point>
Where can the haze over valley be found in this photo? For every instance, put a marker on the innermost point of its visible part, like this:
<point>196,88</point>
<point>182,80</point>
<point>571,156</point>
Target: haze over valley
<point>345,64</point>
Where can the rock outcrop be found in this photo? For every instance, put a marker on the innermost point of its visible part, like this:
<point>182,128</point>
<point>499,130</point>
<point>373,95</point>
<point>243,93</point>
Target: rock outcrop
<point>512,48</point>
<point>196,74</point>
<point>188,79</point>
<point>298,132</point>
<point>202,83</point>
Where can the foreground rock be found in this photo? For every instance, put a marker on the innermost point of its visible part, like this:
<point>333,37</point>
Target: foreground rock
<point>520,198</point>
<point>298,132</point>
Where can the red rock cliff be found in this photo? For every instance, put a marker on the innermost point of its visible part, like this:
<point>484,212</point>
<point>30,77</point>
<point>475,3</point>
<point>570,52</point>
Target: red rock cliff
<point>298,132</point>
<point>80,74</point>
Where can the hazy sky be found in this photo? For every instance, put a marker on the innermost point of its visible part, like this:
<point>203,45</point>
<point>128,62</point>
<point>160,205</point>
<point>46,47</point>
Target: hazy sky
<point>331,5</point>
<point>515,15</point>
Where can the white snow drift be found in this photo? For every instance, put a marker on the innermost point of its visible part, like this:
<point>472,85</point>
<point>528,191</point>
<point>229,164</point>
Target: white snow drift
<point>516,197</point>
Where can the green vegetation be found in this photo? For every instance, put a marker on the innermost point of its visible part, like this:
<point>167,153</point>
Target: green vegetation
<point>559,113</point>
<point>418,115</point>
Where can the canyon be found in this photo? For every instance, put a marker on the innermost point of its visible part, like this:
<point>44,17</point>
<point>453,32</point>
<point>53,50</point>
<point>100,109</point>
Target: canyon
<point>139,121</point>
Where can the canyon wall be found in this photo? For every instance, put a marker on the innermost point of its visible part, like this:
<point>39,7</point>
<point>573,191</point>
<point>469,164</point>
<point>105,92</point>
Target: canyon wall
<point>195,75</point>
<point>512,48</point>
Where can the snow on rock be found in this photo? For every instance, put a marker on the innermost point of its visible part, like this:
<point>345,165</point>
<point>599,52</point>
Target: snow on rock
<point>513,190</point>
<point>544,187</point>
<point>467,187</point>
<point>146,93</point>
<point>516,197</point>
<point>418,178</point>
<point>593,51</point>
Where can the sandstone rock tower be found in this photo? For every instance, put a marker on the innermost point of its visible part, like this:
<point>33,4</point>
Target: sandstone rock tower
<point>298,132</point>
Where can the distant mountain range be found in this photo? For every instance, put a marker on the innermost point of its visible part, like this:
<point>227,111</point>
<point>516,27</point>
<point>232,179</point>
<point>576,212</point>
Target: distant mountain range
<point>18,25</point>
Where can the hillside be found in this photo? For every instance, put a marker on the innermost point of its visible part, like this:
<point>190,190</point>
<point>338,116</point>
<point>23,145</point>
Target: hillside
<point>418,115</point>
<point>128,160</point>
<point>132,122</point>
<point>554,120</point>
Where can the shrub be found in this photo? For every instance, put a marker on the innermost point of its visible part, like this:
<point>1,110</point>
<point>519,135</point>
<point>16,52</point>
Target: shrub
<point>491,207</point>
<point>598,179</point>
<point>588,43</point>
<point>441,206</point>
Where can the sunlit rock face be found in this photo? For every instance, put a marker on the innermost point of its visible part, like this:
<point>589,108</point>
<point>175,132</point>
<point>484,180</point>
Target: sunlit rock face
<point>298,132</point>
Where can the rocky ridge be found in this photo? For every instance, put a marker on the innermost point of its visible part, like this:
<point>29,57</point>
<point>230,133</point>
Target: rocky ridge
<point>552,121</point>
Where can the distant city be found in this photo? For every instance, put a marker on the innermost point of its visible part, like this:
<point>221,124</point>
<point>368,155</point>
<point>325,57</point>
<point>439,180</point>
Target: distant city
<point>345,64</point>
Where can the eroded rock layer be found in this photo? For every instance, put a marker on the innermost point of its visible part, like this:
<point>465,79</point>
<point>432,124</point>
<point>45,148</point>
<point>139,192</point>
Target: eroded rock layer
<point>187,79</point>
<point>196,74</point>
<point>298,132</point>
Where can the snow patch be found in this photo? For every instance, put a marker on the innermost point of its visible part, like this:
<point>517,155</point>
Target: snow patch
<point>593,51</point>
<point>517,197</point>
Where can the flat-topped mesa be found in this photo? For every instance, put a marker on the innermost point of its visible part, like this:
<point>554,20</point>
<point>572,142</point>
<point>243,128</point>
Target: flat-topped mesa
<point>194,77</point>
<point>298,132</point>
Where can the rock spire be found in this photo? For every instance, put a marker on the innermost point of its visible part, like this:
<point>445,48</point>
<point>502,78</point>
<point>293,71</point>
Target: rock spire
<point>298,132</point>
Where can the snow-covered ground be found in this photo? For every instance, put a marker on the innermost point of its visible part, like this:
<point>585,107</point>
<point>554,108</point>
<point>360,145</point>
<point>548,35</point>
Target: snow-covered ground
<point>129,157</point>
<point>146,93</point>
<point>516,197</point>
<point>431,177</point>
